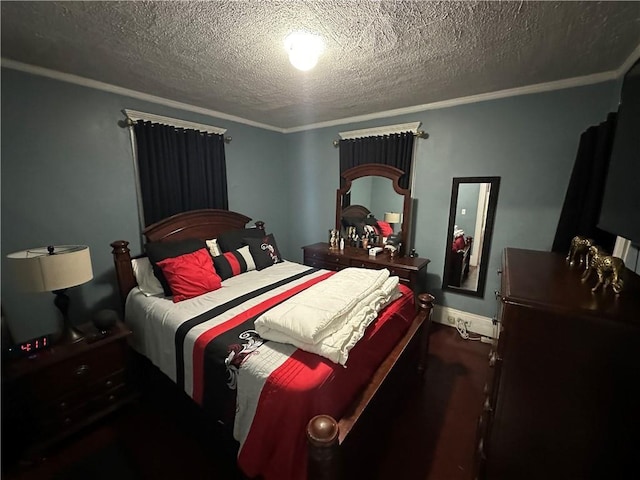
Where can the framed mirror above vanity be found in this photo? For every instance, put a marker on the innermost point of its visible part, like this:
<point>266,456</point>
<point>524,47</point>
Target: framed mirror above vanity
<point>375,187</point>
<point>471,219</point>
<point>372,191</point>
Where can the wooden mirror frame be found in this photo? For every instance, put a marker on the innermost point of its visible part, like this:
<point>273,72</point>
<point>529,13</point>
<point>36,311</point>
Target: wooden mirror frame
<point>378,170</point>
<point>488,234</point>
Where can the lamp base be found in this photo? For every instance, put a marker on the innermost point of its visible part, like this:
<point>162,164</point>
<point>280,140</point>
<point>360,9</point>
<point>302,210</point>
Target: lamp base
<point>70,334</point>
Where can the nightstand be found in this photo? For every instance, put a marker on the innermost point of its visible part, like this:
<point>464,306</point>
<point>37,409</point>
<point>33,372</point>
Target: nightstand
<point>63,389</point>
<point>411,271</point>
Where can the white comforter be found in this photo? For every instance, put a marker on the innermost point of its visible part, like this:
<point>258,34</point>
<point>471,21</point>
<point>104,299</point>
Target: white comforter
<point>329,318</point>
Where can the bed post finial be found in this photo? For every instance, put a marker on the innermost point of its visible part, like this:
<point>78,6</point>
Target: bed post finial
<point>322,441</point>
<point>124,271</point>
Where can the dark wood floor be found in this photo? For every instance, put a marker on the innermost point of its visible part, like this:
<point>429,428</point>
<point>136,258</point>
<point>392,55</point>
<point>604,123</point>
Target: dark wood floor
<point>432,438</point>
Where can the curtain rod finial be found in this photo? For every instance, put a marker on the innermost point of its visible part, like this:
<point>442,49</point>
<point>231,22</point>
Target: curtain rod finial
<point>228,139</point>
<point>422,134</point>
<point>336,143</point>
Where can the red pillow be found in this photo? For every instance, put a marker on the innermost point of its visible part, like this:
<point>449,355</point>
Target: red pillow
<point>190,275</point>
<point>385,228</point>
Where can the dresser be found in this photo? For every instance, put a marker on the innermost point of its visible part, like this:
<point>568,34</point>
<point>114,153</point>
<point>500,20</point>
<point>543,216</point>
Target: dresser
<point>563,396</point>
<point>62,389</point>
<point>410,271</point>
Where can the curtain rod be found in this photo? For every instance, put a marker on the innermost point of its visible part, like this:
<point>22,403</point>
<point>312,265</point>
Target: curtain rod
<point>418,134</point>
<point>131,116</point>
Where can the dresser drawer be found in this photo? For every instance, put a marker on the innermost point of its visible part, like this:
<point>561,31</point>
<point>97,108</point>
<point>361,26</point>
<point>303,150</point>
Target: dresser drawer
<point>325,260</point>
<point>402,273</point>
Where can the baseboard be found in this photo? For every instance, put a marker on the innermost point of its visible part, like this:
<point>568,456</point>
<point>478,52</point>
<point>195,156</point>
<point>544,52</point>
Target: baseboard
<point>475,323</point>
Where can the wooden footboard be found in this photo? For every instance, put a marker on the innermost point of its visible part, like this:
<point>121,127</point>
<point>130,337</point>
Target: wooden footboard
<point>326,436</point>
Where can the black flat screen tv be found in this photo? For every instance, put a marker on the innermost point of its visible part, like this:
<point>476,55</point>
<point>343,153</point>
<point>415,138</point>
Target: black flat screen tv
<point>620,212</point>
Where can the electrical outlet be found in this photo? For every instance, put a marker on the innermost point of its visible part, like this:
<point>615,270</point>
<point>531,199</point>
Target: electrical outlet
<point>451,319</point>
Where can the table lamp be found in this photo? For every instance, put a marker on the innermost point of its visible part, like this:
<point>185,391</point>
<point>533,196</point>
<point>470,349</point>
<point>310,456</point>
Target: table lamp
<point>54,269</point>
<point>391,218</point>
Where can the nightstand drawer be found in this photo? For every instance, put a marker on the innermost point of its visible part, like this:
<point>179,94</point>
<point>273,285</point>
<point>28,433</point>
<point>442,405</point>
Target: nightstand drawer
<point>79,372</point>
<point>108,383</point>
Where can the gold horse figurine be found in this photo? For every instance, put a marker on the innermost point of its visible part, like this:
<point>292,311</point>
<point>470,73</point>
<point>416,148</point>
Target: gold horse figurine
<point>578,250</point>
<point>609,269</point>
<point>593,252</point>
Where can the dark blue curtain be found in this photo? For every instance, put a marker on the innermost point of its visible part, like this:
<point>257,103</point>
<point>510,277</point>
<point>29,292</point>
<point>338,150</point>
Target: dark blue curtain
<point>583,200</point>
<point>395,150</point>
<point>179,169</point>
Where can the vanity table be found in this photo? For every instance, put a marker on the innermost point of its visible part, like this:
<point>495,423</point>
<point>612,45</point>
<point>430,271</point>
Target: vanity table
<point>411,271</point>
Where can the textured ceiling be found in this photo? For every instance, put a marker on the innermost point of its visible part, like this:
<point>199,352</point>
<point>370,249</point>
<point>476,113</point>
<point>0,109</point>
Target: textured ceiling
<point>228,56</point>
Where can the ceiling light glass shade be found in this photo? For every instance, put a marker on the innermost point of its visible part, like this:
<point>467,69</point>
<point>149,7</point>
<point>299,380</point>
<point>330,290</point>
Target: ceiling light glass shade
<point>303,49</point>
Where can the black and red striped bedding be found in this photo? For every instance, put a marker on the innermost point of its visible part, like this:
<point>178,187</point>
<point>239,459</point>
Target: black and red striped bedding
<point>217,354</point>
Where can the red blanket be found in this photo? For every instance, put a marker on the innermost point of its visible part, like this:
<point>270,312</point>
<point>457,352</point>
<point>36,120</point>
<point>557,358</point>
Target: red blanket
<point>297,385</point>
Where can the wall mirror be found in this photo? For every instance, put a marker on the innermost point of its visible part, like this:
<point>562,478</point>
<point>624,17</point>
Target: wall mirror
<point>372,189</point>
<point>471,218</point>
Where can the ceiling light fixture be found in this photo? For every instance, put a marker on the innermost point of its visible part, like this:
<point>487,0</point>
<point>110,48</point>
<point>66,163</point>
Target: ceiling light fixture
<point>304,49</point>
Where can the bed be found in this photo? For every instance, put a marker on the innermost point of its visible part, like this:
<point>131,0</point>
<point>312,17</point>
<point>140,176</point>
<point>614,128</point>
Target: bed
<point>300,396</point>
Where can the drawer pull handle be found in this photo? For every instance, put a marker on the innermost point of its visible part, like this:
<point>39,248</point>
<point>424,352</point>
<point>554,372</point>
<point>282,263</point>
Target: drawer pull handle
<point>112,398</point>
<point>481,449</point>
<point>485,390</point>
<point>494,359</point>
<point>499,271</point>
<point>109,383</point>
<point>487,405</point>
<point>63,404</point>
<point>82,370</point>
<point>67,421</point>
<point>497,294</point>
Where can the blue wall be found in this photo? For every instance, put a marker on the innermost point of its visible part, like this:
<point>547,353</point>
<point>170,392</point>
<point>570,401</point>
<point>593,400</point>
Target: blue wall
<point>67,177</point>
<point>530,141</point>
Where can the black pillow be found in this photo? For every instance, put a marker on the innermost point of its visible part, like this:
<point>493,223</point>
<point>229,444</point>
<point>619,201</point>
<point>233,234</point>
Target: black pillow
<point>371,220</point>
<point>158,251</point>
<point>264,251</point>
<point>231,240</point>
<point>354,222</point>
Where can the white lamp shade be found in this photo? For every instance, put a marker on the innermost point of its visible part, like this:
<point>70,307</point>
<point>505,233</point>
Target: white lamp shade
<point>36,270</point>
<point>392,217</point>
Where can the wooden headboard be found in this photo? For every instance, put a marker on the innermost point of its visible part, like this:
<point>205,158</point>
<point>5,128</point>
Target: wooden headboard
<point>202,224</point>
<point>355,211</point>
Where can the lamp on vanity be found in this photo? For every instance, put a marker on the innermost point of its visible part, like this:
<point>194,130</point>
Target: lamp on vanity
<point>392,218</point>
<point>54,269</point>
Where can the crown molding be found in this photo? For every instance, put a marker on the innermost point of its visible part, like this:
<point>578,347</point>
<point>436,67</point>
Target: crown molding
<point>631,59</point>
<point>107,87</point>
<point>512,92</point>
<point>483,97</point>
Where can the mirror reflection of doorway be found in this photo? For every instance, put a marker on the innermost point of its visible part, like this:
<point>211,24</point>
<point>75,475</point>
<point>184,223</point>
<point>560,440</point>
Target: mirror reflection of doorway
<point>473,203</point>
<point>471,282</point>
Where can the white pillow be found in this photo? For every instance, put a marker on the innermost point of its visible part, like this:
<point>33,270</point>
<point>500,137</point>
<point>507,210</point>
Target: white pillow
<point>148,283</point>
<point>214,248</point>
